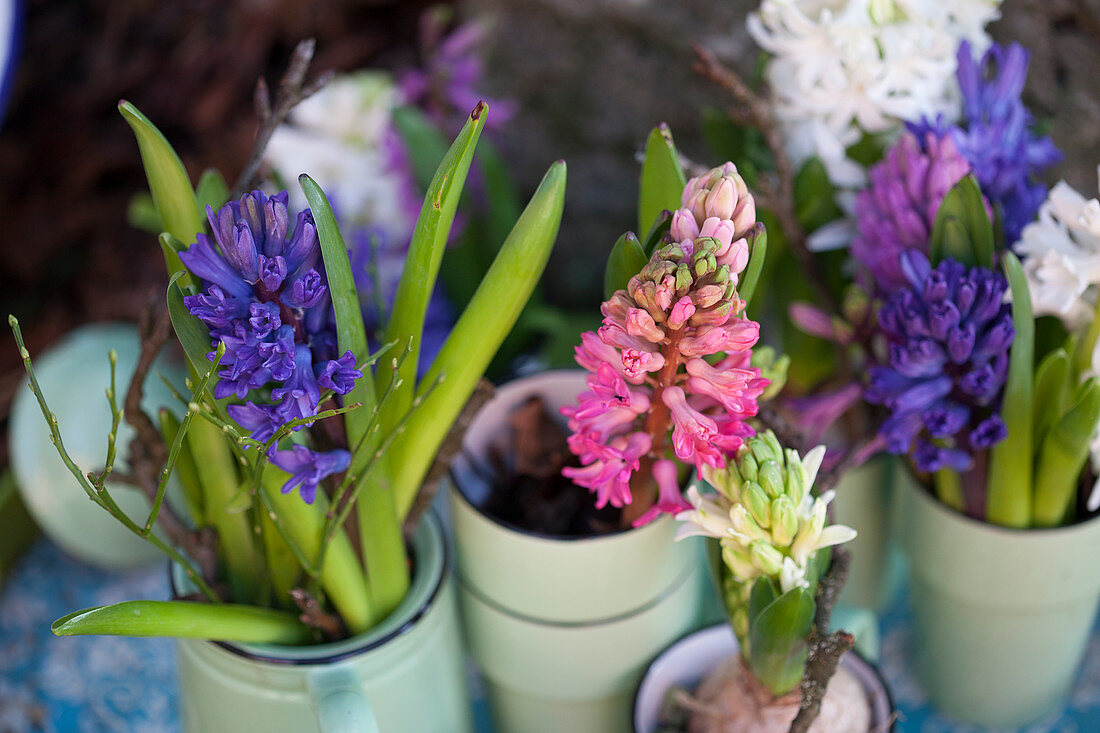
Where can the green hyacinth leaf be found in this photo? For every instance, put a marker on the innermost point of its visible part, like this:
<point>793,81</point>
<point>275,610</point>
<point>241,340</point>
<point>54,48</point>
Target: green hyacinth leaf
<point>478,334</point>
<point>433,228</point>
<point>1011,461</point>
<point>778,645</point>
<point>662,182</point>
<point>626,260</point>
<point>962,230</point>
<point>186,619</point>
<point>169,185</point>
<point>212,191</point>
<point>1063,455</point>
<point>351,335</point>
<point>192,333</point>
<point>758,254</point>
<point>657,233</point>
<point>1052,383</point>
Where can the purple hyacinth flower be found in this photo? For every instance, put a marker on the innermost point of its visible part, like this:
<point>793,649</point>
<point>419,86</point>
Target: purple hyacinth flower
<point>265,299</point>
<point>301,387</point>
<point>261,421</point>
<point>948,332</point>
<point>339,375</point>
<point>306,291</point>
<point>216,308</point>
<point>309,468</point>
<point>897,210</point>
<point>263,318</point>
<point>997,135</point>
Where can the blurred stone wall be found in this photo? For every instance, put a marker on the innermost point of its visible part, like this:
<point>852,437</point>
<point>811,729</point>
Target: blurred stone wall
<point>592,77</point>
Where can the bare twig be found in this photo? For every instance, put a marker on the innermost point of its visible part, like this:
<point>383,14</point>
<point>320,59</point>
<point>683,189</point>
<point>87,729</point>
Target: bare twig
<point>293,88</point>
<point>825,649</point>
<point>821,663</point>
<point>315,616</point>
<point>776,196</point>
<point>148,453</point>
<point>447,450</point>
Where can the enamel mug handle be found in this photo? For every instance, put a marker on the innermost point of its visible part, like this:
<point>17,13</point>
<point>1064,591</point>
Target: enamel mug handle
<point>339,701</point>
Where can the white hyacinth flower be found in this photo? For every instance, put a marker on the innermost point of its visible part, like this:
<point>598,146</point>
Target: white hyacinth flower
<point>797,530</point>
<point>339,136</point>
<point>842,68</point>
<point>1061,256</point>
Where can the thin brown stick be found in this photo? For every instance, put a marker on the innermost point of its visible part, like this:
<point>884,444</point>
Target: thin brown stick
<point>148,453</point>
<point>778,196</point>
<point>293,89</point>
<point>825,649</point>
<point>315,616</point>
<point>821,664</point>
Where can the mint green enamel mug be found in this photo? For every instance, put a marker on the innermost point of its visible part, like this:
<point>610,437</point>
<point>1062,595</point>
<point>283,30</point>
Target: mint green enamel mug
<point>406,674</point>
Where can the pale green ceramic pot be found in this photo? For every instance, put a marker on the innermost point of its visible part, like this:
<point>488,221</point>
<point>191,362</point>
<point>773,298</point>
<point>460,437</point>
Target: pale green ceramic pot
<point>562,628</point>
<point>404,675</point>
<point>863,502</point>
<point>1002,616</point>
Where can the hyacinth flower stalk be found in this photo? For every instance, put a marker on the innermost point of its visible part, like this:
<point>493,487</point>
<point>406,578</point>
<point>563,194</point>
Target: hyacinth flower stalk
<point>772,538</point>
<point>653,397</point>
<point>272,293</point>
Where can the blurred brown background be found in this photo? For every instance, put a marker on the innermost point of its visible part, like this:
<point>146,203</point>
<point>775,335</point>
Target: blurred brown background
<point>590,77</point>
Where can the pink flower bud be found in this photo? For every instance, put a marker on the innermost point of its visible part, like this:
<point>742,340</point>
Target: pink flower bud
<point>722,199</point>
<point>720,229</point>
<point>708,295</point>
<point>682,311</point>
<point>665,292</point>
<point>684,227</point>
<point>639,323</point>
<point>737,256</point>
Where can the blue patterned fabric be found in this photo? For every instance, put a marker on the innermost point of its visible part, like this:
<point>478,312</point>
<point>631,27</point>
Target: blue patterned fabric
<point>92,684</point>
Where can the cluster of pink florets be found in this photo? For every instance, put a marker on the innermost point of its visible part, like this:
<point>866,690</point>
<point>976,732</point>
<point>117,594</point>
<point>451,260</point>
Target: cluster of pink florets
<point>650,372</point>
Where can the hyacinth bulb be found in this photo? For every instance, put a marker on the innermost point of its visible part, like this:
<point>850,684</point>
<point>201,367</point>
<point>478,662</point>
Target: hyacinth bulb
<point>653,395</point>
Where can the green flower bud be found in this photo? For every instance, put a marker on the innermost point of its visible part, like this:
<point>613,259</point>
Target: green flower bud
<point>771,478</point>
<point>765,557</point>
<point>784,520</point>
<point>749,467</point>
<point>763,450</point>
<point>684,279</point>
<point>796,477</point>
<point>758,504</point>
<point>739,562</point>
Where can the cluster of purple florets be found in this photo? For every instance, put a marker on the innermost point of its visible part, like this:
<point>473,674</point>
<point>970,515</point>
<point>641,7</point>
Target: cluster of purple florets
<point>265,297</point>
<point>948,332</point>
<point>947,327</point>
<point>996,134</point>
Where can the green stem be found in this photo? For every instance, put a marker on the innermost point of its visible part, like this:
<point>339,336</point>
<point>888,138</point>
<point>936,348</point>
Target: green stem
<point>341,575</point>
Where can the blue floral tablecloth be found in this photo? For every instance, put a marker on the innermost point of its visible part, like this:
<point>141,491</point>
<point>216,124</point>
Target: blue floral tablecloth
<point>111,684</point>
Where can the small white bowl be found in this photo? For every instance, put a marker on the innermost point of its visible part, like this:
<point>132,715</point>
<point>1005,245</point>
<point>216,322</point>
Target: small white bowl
<point>687,662</point>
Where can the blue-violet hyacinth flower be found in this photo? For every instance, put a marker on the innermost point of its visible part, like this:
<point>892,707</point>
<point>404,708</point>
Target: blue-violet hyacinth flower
<point>265,297</point>
<point>897,210</point>
<point>949,332</point>
<point>996,133</point>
